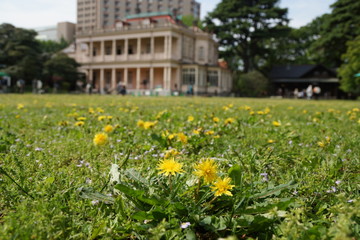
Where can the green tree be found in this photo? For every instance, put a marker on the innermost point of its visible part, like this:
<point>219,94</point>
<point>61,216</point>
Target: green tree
<point>19,52</point>
<point>252,84</point>
<point>351,66</point>
<point>244,28</point>
<point>190,20</point>
<point>339,27</point>
<point>62,68</point>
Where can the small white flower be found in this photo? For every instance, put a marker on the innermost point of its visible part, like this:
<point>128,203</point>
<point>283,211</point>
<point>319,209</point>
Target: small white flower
<point>39,149</point>
<point>338,182</point>
<point>185,225</point>
<point>95,202</point>
<point>350,201</point>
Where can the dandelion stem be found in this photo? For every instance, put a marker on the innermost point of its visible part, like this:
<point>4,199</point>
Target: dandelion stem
<point>197,190</point>
<point>22,189</point>
<point>212,200</point>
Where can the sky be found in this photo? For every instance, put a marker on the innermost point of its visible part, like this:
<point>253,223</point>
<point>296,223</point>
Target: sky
<point>43,13</point>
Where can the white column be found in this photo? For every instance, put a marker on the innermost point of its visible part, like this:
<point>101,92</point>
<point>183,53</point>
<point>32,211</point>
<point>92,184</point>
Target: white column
<point>126,49</point>
<point>91,46</point>
<point>126,77</point>
<point>152,47</point>
<point>220,81</point>
<point>114,49</point>
<point>178,78</point>
<point>138,78</point>
<point>151,78</point>
<point>169,79</point>
<point>164,78</point>
<point>102,50</point>
<point>113,80</point>
<point>166,46</point>
<point>170,47</point>
<point>138,48</point>
<point>101,90</point>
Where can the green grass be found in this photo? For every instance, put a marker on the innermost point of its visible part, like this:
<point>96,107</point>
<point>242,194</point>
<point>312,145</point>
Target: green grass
<point>299,180</point>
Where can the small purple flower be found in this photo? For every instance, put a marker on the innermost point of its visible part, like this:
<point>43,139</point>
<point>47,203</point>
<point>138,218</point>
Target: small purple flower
<point>265,177</point>
<point>95,202</point>
<point>350,201</point>
<point>338,182</point>
<point>39,149</point>
<point>185,225</point>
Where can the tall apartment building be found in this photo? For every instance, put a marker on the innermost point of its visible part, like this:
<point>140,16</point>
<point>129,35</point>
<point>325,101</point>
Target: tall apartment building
<point>97,14</point>
<point>151,54</point>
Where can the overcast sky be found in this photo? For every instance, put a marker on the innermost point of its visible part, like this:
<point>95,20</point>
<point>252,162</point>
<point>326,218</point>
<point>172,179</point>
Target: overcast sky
<point>41,13</point>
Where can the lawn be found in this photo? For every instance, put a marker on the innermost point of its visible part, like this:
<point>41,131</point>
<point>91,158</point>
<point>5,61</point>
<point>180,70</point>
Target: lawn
<point>112,167</point>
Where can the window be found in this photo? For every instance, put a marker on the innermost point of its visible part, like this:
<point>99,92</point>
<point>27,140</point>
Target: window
<point>201,54</point>
<point>213,79</point>
<point>118,50</point>
<point>188,76</point>
<point>108,50</point>
<point>130,50</point>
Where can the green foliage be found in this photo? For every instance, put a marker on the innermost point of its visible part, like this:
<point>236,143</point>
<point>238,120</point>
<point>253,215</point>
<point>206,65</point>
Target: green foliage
<point>351,66</point>
<point>63,67</point>
<point>244,29</point>
<point>19,52</point>
<point>190,20</point>
<point>55,183</point>
<point>338,27</point>
<point>52,47</point>
<point>252,84</point>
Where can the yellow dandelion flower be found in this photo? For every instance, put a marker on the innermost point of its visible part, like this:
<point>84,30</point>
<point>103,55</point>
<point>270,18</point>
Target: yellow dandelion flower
<point>305,111</point>
<point>290,108</point>
<point>267,110</point>
<point>222,186</point>
<point>171,153</point>
<point>81,118</point>
<point>63,123</point>
<point>190,118</point>
<point>210,132</point>
<point>148,125</point>
<point>91,111</point>
<point>20,106</point>
<point>252,113</point>
<point>101,118</point>
<point>169,167</point>
<point>171,136</point>
<point>260,112</point>
<point>17,116</point>
<point>356,110</point>
<point>328,139</point>
<point>216,119</point>
<point>216,136</point>
<point>109,117</point>
<point>140,123</point>
<point>108,128</point>
<point>229,121</point>
<point>276,123</point>
<point>321,144</point>
<point>206,169</point>
<point>182,138</point>
<point>101,139</point>
<point>79,123</point>
<point>196,131</point>
<point>100,110</point>
<point>271,141</point>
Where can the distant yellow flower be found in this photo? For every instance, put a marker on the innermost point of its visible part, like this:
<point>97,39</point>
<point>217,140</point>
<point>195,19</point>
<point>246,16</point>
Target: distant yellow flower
<point>63,123</point>
<point>101,118</point>
<point>271,141</point>
<point>229,120</point>
<point>290,108</point>
<point>17,116</point>
<point>81,118</point>
<point>171,153</point>
<point>109,117</point>
<point>100,110</point>
<point>100,139</point>
<point>148,125</point>
<point>251,112</point>
<point>247,108</point>
<point>260,112</point>
<point>196,131</point>
<point>79,123</point>
<point>216,136</point>
<point>216,119</point>
<point>321,144</point>
<point>108,128</point>
<point>20,106</point>
<point>140,123</point>
<point>190,118</point>
<point>225,108</point>
<point>182,138</point>
<point>328,139</point>
<point>276,123</point>
<point>171,136</point>
<point>169,167</point>
<point>222,186</point>
<point>206,169</point>
<point>210,132</point>
<point>356,110</point>
<point>91,111</point>
<point>267,110</point>
<point>305,111</point>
